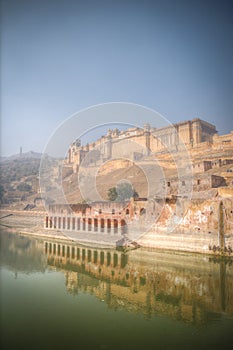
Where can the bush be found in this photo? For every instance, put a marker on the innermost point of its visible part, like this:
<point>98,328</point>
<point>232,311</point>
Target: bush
<point>124,191</point>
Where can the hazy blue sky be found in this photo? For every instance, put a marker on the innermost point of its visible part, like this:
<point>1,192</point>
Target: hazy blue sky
<point>59,56</point>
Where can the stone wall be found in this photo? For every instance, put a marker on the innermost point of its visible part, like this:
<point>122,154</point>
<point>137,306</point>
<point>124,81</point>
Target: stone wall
<point>201,182</point>
<point>142,141</point>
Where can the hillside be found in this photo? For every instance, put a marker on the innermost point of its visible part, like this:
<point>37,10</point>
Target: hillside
<point>20,179</point>
<point>20,175</point>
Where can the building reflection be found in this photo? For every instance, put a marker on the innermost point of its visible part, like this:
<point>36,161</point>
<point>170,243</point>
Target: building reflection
<point>191,288</point>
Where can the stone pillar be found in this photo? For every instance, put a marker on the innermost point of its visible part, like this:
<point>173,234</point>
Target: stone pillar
<point>71,223</point>
<point>119,227</point>
<point>99,225</point>
<point>112,227</point>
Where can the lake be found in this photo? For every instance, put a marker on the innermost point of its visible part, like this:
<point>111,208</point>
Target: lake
<point>61,295</point>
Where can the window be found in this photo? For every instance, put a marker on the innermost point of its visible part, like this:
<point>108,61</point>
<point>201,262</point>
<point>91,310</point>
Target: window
<point>198,182</point>
<point>168,184</point>
<point>183,183</point>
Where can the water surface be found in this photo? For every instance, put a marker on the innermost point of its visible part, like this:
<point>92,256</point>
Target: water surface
<point>56,295</point>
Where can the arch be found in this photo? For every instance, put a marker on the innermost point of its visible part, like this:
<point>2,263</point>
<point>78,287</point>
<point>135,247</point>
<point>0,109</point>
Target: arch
<point>89,221</point>
<point>47,222</point>
<point>89,255</point>
<point>63,250</point>
<point>73,223</point>
<point>108,259</point>
<point>78,223</point>
<point>95,256</point>
<point>142,211</point>
<point>68,252</point>
<point>95,224</point>
<point>101,258</point>
<point>78,253</point>
<point>115,260</point>
<point>108,225</point>
<point>83,254</point>
<point>59,222</point>
<point>84,224</point>
<point>115,225</point>
<point>102,225</point>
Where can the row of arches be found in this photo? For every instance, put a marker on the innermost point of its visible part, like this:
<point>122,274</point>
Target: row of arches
<point>108,258</point>
<point>95,225</point>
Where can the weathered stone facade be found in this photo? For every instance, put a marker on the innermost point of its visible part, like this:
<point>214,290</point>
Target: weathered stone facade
<point>200,182</point>
<point>141,141</point>
<point>205,165</point>
<point>105,217</point>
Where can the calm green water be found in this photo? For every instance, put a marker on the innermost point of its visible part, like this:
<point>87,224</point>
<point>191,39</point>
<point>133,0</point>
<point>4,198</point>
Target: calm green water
<point>59,296</point>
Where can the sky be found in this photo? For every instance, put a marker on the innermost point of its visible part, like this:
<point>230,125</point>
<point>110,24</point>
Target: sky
<point>62,56</point>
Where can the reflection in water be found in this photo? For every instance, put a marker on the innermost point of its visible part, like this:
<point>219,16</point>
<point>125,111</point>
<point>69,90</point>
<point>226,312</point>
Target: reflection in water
<point>185,287</point>
<point>94,298</point>
<point>22,254</point>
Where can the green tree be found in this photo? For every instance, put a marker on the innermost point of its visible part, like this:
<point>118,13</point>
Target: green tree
<point>122,192</point>
<point>112,194</point>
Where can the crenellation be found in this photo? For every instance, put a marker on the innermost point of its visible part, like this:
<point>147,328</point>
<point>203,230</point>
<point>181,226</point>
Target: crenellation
<point>191,133</point>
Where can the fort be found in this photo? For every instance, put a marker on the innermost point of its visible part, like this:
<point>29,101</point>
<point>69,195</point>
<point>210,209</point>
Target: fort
<point>182,212</point>
<point>193,134</point>
<point>209,177</point>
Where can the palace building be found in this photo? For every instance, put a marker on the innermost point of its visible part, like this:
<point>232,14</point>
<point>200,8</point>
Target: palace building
<point>139,142</point>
